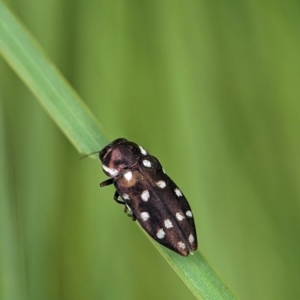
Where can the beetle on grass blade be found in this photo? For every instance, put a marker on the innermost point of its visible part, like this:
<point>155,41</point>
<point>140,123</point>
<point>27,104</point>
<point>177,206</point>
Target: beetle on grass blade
<point>150,195</point>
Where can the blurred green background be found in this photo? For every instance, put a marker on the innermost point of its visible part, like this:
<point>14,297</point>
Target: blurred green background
<point>213,90</point>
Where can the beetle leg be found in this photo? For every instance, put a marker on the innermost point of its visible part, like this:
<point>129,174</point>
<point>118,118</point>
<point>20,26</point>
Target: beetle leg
<point>107,182</point>
<point>116,196</point>
<point>129,213</point>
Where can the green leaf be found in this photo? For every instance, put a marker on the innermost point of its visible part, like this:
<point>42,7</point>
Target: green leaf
<point>198,275</point>
<point>65,107</point>
<point>62,103</point>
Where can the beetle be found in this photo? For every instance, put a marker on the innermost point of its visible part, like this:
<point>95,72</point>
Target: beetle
<point>149,195</point>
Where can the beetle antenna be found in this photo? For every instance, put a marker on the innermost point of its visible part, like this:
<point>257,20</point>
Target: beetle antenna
<point>87,155</point>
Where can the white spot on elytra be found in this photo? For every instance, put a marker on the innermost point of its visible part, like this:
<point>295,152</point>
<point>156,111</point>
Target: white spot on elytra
<point>145,195</point>
<point>181,245</point>
<point>179,216</point>
<point>178,192</point>
<point>191,239</point>
<point>145,216</point>
<point>128,175</point>
<point>112,172</point>
<point>143,151</point>
<point>125,197</point>
<point>160,233</point>
<point>161,184</point>
<point>189,213</point>
<point>168,223</point>
<point>147,163</point>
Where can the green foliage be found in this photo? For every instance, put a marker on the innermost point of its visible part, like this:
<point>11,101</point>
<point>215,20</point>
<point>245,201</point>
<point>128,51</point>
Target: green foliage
<point>211,88</point>
<point>79,126</point>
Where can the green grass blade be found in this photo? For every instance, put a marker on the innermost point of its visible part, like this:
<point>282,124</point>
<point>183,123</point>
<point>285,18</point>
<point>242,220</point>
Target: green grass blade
<point>198,275</point>
<point>12,275</point>
<point>58,98</point>
<point>65,107</point>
